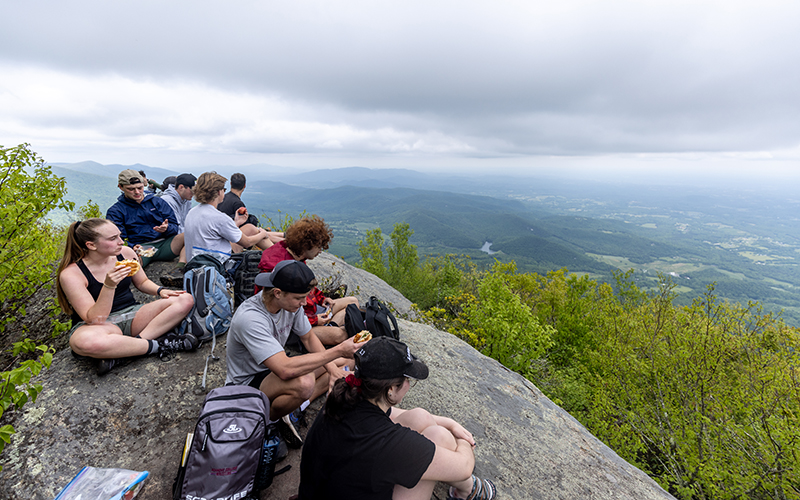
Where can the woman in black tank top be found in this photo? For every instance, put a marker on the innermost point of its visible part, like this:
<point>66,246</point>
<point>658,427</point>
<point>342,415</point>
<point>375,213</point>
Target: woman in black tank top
<point>91,288</point>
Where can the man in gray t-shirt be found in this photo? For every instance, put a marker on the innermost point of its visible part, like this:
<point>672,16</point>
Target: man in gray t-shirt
<point>258,332</point>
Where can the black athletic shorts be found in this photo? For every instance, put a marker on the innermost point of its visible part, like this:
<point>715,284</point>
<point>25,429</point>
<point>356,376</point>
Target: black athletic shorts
<point>258,378</point>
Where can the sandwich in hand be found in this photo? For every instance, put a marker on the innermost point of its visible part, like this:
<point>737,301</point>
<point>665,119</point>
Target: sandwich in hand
<point>132,265</point>
<point>362,336</point>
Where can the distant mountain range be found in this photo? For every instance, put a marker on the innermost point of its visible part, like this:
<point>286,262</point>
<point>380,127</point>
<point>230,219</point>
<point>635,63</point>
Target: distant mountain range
<point>745,241</point>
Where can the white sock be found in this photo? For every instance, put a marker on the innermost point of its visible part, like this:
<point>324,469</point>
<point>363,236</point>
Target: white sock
<point>305,405</point>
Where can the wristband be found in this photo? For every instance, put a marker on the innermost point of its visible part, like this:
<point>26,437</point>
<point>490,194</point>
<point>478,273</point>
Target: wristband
<point>158,292</point>
<point>111,287</point>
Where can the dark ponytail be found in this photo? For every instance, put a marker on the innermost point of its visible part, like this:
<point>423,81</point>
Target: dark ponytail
<point>344,396</point>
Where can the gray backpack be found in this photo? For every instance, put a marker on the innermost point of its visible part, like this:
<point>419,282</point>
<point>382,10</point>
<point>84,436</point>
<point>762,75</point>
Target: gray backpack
<point>223,458</point>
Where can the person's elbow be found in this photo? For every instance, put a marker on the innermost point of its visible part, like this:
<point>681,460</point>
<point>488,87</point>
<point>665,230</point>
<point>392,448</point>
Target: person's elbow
<point>285,372</point>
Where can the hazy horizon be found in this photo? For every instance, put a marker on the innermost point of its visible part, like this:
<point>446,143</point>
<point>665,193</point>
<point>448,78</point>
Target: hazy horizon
<point>657,89</point>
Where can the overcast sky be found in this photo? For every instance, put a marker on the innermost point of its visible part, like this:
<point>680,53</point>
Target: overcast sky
<point>645,85</point>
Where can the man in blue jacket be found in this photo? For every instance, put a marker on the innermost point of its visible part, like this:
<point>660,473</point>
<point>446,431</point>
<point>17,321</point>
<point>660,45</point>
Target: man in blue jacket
<point>146,220</point>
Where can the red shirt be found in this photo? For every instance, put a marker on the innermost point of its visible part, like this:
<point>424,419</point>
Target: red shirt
<point>277,253</point>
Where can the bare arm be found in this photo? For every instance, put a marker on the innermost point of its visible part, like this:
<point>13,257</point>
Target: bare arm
<point>76,289</point>
<point>288,368</point>
<point>248,241</point>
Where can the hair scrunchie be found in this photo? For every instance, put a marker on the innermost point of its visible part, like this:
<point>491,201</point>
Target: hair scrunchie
<point>353,381</point>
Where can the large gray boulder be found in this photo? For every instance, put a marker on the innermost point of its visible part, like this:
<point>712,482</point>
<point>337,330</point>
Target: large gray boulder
<point>137,417</point>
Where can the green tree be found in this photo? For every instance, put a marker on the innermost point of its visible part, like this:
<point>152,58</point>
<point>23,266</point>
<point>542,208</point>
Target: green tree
<point>371,251</point>
<point>705,398</point>
<point>29,246</point>
<point>403,259</point>
<point>497,323</point>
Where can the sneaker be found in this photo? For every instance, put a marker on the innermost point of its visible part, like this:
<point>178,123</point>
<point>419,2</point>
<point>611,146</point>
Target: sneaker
<point>289,433</point>
<point>298,418</point>
<point>283,450</point>
<point>105,365</point>
<point>172,343</point>
<point>174,278</point>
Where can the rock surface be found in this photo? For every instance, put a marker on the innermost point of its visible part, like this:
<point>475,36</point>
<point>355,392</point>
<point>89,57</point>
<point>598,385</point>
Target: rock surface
<point>137,417</point>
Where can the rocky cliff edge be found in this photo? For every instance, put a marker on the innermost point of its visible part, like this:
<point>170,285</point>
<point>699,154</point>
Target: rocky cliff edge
<point>137,417</point>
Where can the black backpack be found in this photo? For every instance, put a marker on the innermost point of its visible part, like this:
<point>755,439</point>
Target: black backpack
<point>231,452</point>
<point>375,317</point>
<point>243,267</point>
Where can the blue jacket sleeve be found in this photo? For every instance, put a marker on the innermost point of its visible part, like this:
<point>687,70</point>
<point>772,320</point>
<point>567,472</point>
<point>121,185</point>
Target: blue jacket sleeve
<point>165,212</point>
<point>114,214</point>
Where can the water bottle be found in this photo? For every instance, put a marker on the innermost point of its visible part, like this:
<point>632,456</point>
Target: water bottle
<point>269,457</point>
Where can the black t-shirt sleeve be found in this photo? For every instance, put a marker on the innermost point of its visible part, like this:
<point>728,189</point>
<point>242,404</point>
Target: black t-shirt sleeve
<point>407,455</point>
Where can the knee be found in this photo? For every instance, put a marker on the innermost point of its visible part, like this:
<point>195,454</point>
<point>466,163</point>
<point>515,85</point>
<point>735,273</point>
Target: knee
<point>419,419</point>
<point>305,386</point>
<point>186,301</point>
<point>348,300</point>
<point>440,436</point>
<point>91,341</point>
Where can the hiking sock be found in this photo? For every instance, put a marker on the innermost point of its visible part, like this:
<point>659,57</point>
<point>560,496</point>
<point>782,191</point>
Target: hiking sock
<point>181,265</point>
<point>152,347</point>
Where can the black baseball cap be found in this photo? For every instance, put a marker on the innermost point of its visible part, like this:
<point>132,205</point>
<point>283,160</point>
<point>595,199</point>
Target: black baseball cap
<point>385,358</point>
<point>185,180</point>
<point>289,276</point>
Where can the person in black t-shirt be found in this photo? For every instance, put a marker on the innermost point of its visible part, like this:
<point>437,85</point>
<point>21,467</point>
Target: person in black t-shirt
<point>107,322</point>
<point>232,202</point>
<point>362,447</point>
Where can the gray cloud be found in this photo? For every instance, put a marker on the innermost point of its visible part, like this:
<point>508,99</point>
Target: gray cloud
<point>482,79</point>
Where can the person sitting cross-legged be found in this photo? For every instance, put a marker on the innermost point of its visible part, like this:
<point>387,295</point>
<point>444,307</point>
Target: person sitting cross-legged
<point>107,322</point>
<point>256,340</point>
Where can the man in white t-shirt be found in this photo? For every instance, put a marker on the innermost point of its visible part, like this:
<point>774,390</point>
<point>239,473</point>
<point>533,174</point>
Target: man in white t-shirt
<point>256,339</point>
<point>207,230</point>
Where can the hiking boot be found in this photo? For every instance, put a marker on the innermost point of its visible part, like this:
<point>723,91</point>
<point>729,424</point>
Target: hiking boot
<point>289,432</point>
<point>105,365</point>
<point>172,343</point>
<point>174,278</point>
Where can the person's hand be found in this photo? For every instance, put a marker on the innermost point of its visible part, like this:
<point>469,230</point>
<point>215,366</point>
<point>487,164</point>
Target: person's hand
<point>459,432</point>
<point>136,248</point>
<point>115,275</point>
<point>334,375</point>
<point>327,302</point>
<point>240,218</point>
<point>348,347</point>
<point>162,227</point>
<point>324,318</point>
<point>166,293</point>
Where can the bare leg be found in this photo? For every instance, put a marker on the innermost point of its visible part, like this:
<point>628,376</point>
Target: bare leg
<point>177,247</point>
<point>106,341</point>
<point>330,335</point>
<point>275,237</point>
<point>423,490</point>
<point>286,395</point>
<point>251,230</point>
<point>156,318</point>
<point>339,308</point>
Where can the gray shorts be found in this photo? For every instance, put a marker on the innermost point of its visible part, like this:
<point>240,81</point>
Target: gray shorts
<point>123,324</point>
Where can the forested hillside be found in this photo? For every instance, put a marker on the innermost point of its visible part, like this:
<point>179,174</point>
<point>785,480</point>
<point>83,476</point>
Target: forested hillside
<point>744,242</point>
